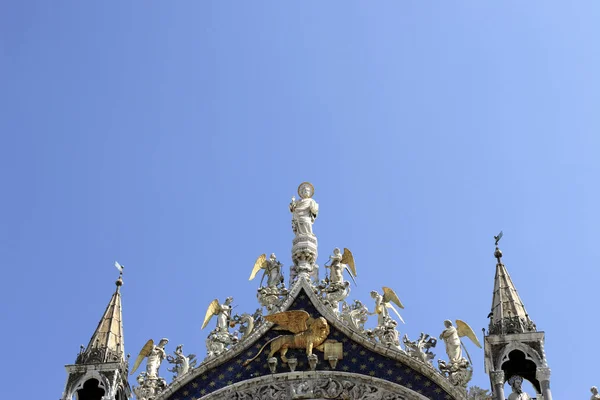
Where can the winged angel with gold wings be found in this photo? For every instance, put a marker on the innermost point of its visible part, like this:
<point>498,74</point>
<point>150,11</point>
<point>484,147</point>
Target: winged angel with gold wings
<point>451,337</point>
<point>339,263</point>
<point>383,302</point>
<point>223,313</point>
<point>156,354</point>
<point>307,333</point>
<point>271,268</point>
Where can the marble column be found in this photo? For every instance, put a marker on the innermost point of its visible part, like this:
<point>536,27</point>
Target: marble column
<point>498,384</point>
<point>543,376</point>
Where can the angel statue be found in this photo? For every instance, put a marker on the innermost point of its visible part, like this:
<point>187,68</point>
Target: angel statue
<point>156,355</point>
<point>458,370</point>
<point>272,295</point>
<point>223,313</point>
<point>219,338</point>
<point>150,383</point>
<point>304,211</point>
<point>271,268</point>
<point>182,363</point>
<point>515,383</point>
<point>382,303</point>
<point>334,287</point>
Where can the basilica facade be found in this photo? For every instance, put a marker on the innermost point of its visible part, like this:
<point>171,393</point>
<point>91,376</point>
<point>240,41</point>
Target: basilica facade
<point>307,342</point>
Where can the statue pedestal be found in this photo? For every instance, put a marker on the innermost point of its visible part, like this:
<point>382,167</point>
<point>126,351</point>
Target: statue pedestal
<point>304,255</point>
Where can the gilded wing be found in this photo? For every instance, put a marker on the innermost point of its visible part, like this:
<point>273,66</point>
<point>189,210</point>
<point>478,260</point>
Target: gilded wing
<point>213,309</point>
<point>261,263</point>
<point>144,352</point>
<point>293,321</point>
<point>388,305</point>
<point>463,329</point>
<point>390,295</point>
<point>348,259</point>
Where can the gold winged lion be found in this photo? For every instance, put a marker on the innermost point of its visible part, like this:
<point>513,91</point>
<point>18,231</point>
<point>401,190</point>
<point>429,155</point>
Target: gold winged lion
<point>308,333</point>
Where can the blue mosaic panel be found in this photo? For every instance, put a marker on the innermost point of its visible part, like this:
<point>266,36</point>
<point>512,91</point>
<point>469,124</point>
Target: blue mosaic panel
<point>357,359</point>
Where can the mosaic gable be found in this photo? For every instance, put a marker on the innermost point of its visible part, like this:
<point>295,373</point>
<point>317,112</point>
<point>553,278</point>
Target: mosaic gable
<point>357,359</point>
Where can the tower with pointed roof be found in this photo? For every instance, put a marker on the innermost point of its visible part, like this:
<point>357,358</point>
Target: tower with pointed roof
<point>100,370</point>
<point>513,345</point>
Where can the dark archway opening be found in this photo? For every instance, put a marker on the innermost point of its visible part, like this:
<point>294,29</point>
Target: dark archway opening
<point>517,364</point>
<point>90,391</point>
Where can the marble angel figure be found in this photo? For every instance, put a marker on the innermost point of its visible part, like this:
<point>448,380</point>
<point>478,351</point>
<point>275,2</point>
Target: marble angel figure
<point>451,337</point>
<point>383,303</point>
<point>271,268</point>
<point>339,263</point>
<point>155,354</point>
<point>223,313</point>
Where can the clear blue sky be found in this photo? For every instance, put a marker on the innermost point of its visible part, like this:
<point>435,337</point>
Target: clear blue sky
<point>170,136</point>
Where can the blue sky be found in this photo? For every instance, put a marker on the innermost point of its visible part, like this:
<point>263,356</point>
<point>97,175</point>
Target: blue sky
<point>171,136</point>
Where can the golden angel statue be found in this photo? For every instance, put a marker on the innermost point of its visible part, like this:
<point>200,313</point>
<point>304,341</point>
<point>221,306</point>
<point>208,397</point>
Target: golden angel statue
<point>156,355</point>
<point>383,302</point>
<point>307,333</point>
<point>451,337</point>
<point>271,268</point>
<point>223,313</point>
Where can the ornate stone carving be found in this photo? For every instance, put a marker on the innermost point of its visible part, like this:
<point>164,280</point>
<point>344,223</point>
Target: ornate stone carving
<point>542,374</point>
<point>386,334</point>
<point>355,315</point>
<point>458,373</point>
<point>182,363</point>
<point>508,325</point>
<point>497,377</point>
<point>217,342</point>
<point>311,388</point>
<point>246,323</point>
<point>420,349</point>
<point>149,388</point>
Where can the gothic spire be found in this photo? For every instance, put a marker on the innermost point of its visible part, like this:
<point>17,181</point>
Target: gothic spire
<point>106,344</point>
<point>508,313</point>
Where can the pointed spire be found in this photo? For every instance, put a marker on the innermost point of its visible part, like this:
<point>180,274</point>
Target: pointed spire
<point>508,313</point>
<point>106,344</point>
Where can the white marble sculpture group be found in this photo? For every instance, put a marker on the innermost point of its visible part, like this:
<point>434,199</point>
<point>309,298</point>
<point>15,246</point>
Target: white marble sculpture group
<point>332,290</point>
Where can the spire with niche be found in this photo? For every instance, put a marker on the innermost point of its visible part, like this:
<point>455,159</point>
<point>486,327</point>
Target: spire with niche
<point>508,313</point>
<point>100,371</point>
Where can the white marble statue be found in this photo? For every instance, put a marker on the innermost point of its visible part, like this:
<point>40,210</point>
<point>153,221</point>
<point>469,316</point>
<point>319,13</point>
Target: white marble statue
<point>452,341</point>
<point>223,313</point>
<point>304,211</point>
<point>339,263</point>
<point>271,268</point>
<point>382,304</point>
<point>182,362</point>
<point>156,354</point>
<point>595,395</point>
<point>515,383</point>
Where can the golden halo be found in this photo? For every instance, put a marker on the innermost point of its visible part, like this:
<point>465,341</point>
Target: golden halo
<point>302,186</point>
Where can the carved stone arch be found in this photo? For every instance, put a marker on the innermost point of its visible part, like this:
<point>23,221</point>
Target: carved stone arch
<point>519,359</point>
<point>315,385</point>
<point>529,352</point>
<point>103,383</point>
